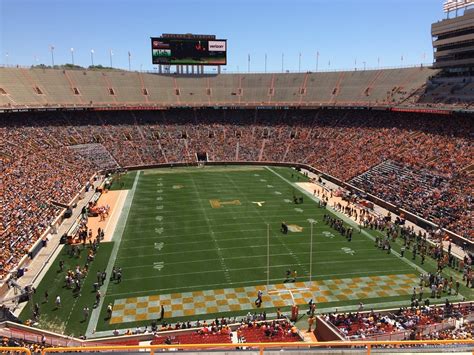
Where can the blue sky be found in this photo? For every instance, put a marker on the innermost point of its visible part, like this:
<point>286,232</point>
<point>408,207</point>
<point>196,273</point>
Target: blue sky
<point>343,31</point>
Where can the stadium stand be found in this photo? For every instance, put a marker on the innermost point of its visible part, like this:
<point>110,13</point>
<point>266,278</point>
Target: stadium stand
<point>415,323</point>
<point>454,91</point>
<point>431,149</point>
<point>52,87</point>
<point>411,189</point>
<point>422,163</point>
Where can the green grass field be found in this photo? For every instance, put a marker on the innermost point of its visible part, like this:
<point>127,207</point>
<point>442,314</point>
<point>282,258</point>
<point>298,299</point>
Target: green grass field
<point>196,241</point>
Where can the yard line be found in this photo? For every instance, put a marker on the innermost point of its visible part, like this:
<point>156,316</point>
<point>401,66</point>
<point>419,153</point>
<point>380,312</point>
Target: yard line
<point>213,249</point>
<point>243,238</point>
<point>225,224</point>
<point>221,212</point>
<point>151,197</point>
<point>147,266</point>
<point>117,238</point>
<point>185,235</point>
<point>224,249</point>
<point>247,283</point>
<point>186,251</point>
<point>141,277</point>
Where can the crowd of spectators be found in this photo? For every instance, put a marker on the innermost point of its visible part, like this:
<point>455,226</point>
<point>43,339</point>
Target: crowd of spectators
<point>411,189</point>
<point>37,170</point>
<point>410,323</point>
<point>278,330</point>
<point>462,332</point>
<point>34,347</point>
<point>40,164</point>
<point>251,328</point>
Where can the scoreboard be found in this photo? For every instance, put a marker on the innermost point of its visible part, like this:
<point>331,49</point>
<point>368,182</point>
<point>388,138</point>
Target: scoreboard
<point>188,50</point>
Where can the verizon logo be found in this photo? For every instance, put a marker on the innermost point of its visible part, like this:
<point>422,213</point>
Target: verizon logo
<point>217,46</point>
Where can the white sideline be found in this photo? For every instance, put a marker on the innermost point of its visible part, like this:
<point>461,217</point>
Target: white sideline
<point>117,239</point>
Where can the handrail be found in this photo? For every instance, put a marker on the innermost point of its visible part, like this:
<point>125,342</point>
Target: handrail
<point>262,346</point>
<point>15,348</point>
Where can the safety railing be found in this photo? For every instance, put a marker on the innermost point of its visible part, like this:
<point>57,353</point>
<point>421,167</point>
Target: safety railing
<point>465,345</point>
<point>14,349</point>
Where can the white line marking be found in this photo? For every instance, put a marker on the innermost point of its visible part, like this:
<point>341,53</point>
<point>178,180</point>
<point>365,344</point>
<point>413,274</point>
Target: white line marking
<point>158,265</point>
<point>117,237</point>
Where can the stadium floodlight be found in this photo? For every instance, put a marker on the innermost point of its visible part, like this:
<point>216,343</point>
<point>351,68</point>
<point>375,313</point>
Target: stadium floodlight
<point>72,56</point>
<point>51,48</point>
<point>92,57</point>
<point>111,54</point>
<point>455,5</point>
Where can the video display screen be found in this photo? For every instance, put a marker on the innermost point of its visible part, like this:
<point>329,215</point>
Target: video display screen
<point>178,51</point>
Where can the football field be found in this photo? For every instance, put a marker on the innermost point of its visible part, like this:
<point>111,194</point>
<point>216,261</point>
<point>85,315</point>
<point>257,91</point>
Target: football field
<point>202,242</point>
